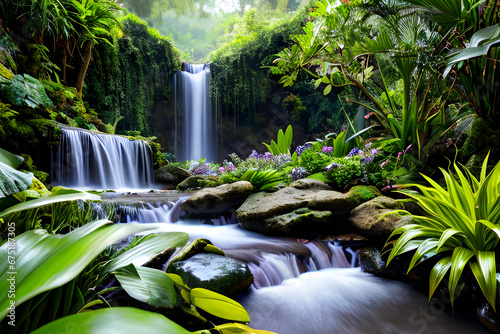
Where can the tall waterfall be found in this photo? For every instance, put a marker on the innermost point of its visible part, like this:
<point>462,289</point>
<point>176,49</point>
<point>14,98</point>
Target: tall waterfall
<point>193,116</point>
<point>87,159</point>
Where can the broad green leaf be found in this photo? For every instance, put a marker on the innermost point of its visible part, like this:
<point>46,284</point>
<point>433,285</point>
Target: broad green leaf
<point>327,90</point>
<point>148,249</point>
<point>10,159</point>
<point>147,285</point>
<point>281,141</point>
<point>116,320</point>
<point>437,274</point>
<point>44,262</point>
<point>274,148</point>
<point>449,233</point>
<point>218,305</point>
<point>62,195</point>
<point>13,181</point>
<point>485,272</point>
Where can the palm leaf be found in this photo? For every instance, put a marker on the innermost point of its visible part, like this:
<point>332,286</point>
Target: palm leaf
<point>437,274</point>
<point>459,259</point>
<point>485,272</point>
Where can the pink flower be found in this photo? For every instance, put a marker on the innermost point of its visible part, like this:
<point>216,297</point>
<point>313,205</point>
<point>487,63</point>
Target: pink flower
<point>368,115</point>
<point>327,149</point>
<point>221,170</point>
<point>384,163</point>
<point>407,149</point>
<point>399,155</point>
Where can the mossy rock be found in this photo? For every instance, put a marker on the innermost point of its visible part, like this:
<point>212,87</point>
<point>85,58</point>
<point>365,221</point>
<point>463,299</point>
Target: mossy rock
<point>360,194</point>
<point>5,72</point>
<point>193,182</point>
<point>199,245</point>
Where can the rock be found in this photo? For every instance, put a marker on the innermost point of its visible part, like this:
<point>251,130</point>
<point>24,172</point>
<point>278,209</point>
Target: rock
<point>170,175</point>
<point>322,210</point>
<point>365,218</point>
<point>218,199</point>
<point>192,182</point>
<point>218,273</point>
<point>199,245</point>
<point>311,184</point>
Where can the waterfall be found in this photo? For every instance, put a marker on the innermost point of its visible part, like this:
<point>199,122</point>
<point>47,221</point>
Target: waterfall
<point>193,116</point>
<point>87,159</point>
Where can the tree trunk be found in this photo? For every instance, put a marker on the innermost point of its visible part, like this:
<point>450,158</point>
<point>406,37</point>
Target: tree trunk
<point>85,65</point>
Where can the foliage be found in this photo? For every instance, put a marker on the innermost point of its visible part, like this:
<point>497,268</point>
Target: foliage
<point>284,141</point>
<point>125,320</point>
<point>58,258</point>
<point>130,76</point>
<point>461,227</point>
<point>12,180</point>
<point>26,91</point>
<point>262,180</point>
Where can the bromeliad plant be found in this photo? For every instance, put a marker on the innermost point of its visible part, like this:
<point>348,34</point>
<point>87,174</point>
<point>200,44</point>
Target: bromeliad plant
<point>462,223</point>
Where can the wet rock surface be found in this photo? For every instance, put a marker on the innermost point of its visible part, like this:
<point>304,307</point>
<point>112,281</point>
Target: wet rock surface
<point>215,272</point>
<point>218,199</point>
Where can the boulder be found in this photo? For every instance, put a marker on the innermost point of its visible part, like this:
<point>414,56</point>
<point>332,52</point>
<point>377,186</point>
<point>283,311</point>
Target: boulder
<point>193,182</point>
<point>367,218</point>
<point>292,212</point>
<point>311,184</point>
<point>170,175</point>
<point>218,199</point>
<point>215,272</point>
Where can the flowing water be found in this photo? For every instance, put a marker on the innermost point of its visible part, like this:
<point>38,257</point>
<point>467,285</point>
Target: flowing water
<point>89,160</point>
<point>194,126</point>
<point>310,288</point>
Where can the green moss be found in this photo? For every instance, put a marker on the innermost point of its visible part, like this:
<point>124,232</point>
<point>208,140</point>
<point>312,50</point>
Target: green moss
<point>5,72</point>
<point>361,194</point>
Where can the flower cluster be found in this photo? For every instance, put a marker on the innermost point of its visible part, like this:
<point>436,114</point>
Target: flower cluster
<point>256,155</point>
<point>367,155</point>
<point>327,149</point>
<point>298,173</point>
<point>301,149</point>
<point>202,169</point>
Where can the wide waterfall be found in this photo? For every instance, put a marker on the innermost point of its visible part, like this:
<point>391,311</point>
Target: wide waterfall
<point>193,116</point>
<point>87,159</point>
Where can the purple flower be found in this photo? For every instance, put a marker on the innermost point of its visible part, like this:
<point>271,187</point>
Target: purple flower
<point>222,170</point>
<point>298,173</point>
<point>301,149</point>
<point>354,151</point>
<point>384,163</point>
<point>267,156</point>
<point>387,188</point>
<point>374,151</point>
<point>408,148</point>
<point>327,149</point>
<point>331,166</point>
<point>254,155</point>
<point>230,166</point>
<point>399,155</point>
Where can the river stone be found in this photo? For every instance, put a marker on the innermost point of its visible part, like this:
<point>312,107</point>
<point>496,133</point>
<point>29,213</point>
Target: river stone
<point>192,182</point>
<point>218,199</point>
<point>311,184</point>
<point>218,273</point>
<point>366,218</point>
<point>269,212</point>
<point>170,175</point>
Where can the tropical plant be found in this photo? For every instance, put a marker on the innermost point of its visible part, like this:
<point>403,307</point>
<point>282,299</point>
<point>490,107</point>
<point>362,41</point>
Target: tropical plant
<point>12,180</point>
<point>284,141</point>
<point>461,226</point>
<point>262,179</point>
<point>43,261</point>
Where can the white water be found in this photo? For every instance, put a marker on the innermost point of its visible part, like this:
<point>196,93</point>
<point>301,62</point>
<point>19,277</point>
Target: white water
<point>311,288</point>
<point>87,159</point>
<point>194,127</point>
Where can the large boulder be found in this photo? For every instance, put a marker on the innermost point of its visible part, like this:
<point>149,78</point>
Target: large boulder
<point>215,272</point>
<point>301,210</point>
<point>170,175</point>
<point>218,199</point>
<point>371,219</point>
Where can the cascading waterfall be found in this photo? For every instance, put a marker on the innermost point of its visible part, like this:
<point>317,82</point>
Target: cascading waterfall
<point>310,288</point>
<point>87,159</point>
<point>194,127</point>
